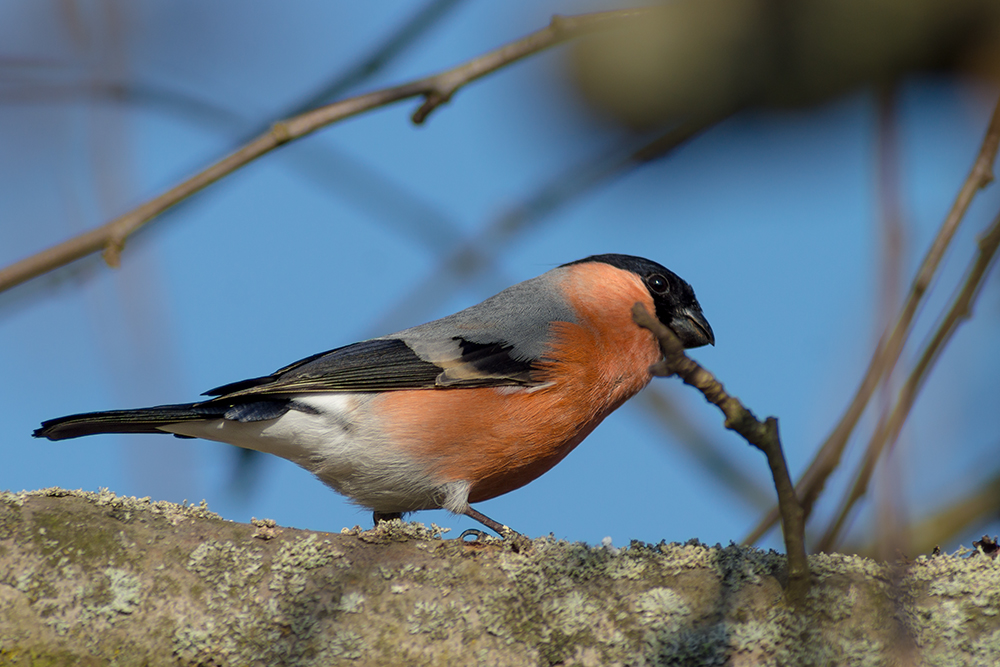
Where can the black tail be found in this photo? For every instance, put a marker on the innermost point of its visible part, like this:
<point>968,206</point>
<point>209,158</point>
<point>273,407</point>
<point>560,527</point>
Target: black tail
<point>142,420</point>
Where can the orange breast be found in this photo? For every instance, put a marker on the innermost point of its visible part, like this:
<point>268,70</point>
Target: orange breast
<point>499,439</point>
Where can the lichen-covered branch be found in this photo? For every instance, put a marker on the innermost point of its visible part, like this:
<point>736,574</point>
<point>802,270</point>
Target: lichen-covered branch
<point>93,578</point>
<point>762,435</point>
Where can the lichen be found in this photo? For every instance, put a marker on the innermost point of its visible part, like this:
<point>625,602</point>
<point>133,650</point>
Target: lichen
<point>118,592</point>
<point>662,607</point>
<point>343,644</point>
<point>351,603</point>
<point>436,618</point>
<point>110,574</point>
<point>226,568</point>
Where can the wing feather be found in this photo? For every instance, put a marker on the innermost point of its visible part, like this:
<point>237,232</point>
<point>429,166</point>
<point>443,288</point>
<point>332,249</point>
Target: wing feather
<point>389,364</point>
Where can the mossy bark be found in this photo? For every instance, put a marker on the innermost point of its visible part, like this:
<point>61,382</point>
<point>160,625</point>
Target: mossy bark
<point>97,579</point>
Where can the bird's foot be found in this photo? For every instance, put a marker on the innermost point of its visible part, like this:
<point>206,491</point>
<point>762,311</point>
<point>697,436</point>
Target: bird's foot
<point>517,541</point>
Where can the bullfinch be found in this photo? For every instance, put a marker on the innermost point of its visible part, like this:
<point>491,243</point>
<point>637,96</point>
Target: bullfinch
<point>455,411</point>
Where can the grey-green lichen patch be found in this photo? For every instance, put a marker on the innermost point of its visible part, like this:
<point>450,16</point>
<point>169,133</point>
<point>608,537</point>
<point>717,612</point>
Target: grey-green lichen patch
<point>304,553</point>
<point>660,606</point>
<point>739,566</point>
<point>127,506</point>
<point>290,567</point>
<point>397,530</point>
<point>956,608</point>
<point>575,615</point>
<point>861,651</point>
<point>985,649</point>
<point>242,620</point>
<point>343,645</point>
<point>822,566</point>
<point>226,568</point>
<point>118,592</point>
<point>436,618</point>
<point>352,603</point>
<point>101,598</point>
<point>625,568</point>
<point>278,604</point>
<point>571,600</point>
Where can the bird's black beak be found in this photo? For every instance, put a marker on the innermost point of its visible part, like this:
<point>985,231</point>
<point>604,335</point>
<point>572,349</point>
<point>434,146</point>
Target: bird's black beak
<point>692,328</point>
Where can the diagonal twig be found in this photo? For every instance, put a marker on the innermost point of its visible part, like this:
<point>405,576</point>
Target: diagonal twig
<point>890,346</point>
<point>436,90</point>
<point>889,426</point>
<point>762,435</point>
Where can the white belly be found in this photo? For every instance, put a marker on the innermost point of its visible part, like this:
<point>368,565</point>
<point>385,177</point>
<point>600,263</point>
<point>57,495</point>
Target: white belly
<point>338,439</point>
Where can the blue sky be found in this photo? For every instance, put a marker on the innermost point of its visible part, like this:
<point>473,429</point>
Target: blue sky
<point>771,216</point>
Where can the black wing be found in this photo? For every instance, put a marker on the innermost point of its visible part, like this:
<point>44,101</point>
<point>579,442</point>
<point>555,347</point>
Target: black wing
<point>388,365</point>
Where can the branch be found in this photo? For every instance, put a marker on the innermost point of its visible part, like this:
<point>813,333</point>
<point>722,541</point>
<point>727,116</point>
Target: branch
<point>888,428</point>
<point>763,436</point>
<point>96,579</point>
<point>436,90</point>
<point>890,346</point>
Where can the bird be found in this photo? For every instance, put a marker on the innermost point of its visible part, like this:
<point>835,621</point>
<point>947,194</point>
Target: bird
<point>455,411</point>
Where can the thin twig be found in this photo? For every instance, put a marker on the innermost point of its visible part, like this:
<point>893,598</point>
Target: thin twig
<point>889,504</point>
<point>888,428</point>
<point>891,344</point>
<point>762,435</point>
<point>436,90</point>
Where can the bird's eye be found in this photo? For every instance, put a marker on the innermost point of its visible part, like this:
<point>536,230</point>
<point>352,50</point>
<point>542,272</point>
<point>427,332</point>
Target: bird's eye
<point>658,283</point>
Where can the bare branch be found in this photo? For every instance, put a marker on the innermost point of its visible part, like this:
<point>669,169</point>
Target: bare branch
<point>762,435</point>
<point>891,344</point>
<point>437,89</point>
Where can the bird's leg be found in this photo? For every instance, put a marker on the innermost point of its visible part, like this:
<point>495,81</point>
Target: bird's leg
<point>385,516</point>
<point>503,531</point>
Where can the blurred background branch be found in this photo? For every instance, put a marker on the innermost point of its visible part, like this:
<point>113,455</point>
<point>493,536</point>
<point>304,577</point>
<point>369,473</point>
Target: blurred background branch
<point>436,90</point>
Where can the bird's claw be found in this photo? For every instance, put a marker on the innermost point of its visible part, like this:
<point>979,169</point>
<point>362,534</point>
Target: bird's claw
<point>480,535</point>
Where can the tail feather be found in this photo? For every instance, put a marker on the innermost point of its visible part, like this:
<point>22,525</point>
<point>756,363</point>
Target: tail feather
<point>142,420</point>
